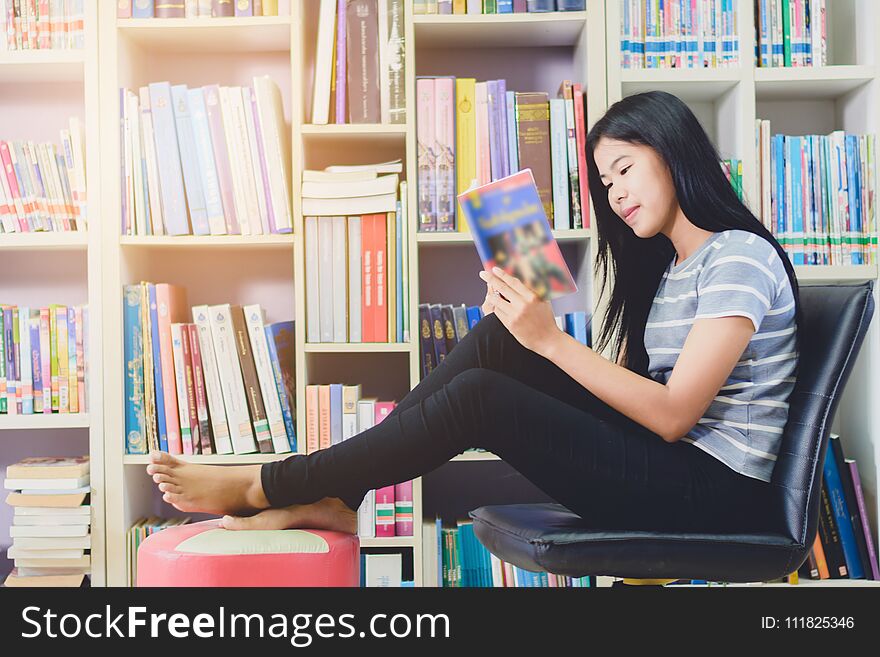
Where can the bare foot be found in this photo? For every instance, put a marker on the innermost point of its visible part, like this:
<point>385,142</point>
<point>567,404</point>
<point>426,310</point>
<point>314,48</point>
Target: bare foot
<point>207,488</point>
<point>329,513</point>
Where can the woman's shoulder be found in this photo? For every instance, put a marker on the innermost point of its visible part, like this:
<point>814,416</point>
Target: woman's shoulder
<point>736,242</point>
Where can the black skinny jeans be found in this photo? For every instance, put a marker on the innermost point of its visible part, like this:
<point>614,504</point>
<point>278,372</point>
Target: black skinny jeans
<point>492,392</point>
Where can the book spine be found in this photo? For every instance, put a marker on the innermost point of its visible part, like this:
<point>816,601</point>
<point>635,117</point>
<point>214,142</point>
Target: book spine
<point>842,517</point>
<point>143,9</point>
<point>167,304</point>
<point>341,75</point>
<point>195,196</point>
<point>355,273</point>
<point>574,191</point>
<point>246,169</point>
<point>235,159</point>
<point>465,139</point>
<point>151,436</point>
<point>201,401</point>
<point>279,339</point>
<point>191,395</point>
<point>435,313</point>
<point>244,8</point>
<point>253,315</point>
<point>865,527</point>
<point>312,421</point>
<point>325,276</point>
<point>27,381</point>
<point>426,124</point>
<point>380,228</point>
<point>276,149</point>
<point>501,117</point>
<point>180,386</point>
<point>324,437</point>
<point>484,160</point>
<point>207,168</point>
<point>72,385</point>
<point>367,516</point>
<point>214,393</point>
<point>260,192</point>
<point>221,157</point>
<point>396,61</point>
<point>170,9</point>
<point>170,173</point>
<point>494,130</point>
<point>269,201</point>
<point>364,105</point>
<point>385,511</point>
<point>444,153</point>
<point>222,8</point>
<point>251,386</point>
<point>36,354</point>
<point>831,538</point>
<point>63,360</point>
<point>382,31</point>
<point>45,359</point>
<point>403,509</point>
<point>560,219</point>
<point>580,112</point>
<point>158,371</point>
<point>849,495</point>
<point>533,124</point>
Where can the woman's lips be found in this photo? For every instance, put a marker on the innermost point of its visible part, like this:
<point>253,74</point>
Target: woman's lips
<point>631,216</point>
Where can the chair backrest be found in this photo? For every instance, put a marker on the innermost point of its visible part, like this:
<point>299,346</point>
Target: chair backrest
<point>835,320</point>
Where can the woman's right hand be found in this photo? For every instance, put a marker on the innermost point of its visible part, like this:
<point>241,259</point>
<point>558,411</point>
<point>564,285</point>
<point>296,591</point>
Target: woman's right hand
<point>488,306</point>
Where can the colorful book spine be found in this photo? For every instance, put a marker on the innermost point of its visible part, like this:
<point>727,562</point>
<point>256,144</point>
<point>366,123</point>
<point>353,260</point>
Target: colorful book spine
<point>426,124</point>
<point>403,509</point>
<point>465,138</point>
<point>201,399</point>
<point>444,152</point>
<point>279,338</point>
<point>45,359</point>
<point>158,369</point>
<point>385,511</point>
<point>180,388</point>
<point>213,390</point>
<point>143,8</point>
<point>842,517</point>
<point>27,381</point>
<point>253,315</point>
<point>73,386</point>
<point>251,385</point>
<point>36,356</point>
<point>63,359</point>
<point>170,300</point>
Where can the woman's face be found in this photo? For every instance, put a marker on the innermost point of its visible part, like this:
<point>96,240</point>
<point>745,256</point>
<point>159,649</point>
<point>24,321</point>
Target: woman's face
<point>639,184</point>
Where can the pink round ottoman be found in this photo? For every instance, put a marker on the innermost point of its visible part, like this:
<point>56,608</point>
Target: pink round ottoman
<point>205,554</point>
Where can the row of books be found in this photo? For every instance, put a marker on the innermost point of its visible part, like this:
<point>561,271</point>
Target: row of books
<point>818,195</point>
<point>50,530</point>
<point>470,133</point>
<point>442,326</point>
<point>387,511</point>
<point>212,160</point>
<point>844,547</point>
<point>195,8</point>
<point>138,533</point>
<point>357,282</point>
<point>495,6</point>
<point>41,24</point>
<point>791,33</point>
<point>221,384</point>
<point>360,68</point>
<point>383,571</point>
<point>44,355</point>
<point>679,33</point>
<point>454,558</point>
<point>43,185</point>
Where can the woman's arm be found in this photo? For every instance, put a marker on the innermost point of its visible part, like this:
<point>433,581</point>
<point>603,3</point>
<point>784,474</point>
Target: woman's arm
<point>712,349</point>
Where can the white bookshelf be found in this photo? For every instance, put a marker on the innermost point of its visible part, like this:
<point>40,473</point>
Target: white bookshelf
<point>65,267</point>
<point>809,100</point>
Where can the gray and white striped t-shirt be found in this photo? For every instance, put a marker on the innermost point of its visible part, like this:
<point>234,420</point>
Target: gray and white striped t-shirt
<point>734,272</point>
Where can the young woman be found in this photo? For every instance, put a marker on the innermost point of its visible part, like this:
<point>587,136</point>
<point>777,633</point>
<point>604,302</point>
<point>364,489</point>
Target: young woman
<point>679,431</point>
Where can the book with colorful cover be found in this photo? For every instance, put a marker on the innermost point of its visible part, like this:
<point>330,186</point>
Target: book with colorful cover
<point>511,231</point>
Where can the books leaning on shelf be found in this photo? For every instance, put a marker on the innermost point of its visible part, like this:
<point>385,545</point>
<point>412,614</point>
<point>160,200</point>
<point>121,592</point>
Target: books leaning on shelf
<point>221,384</point>
<point>42,25</point>
<point>453,558</point>
<point>50,527</point>
<point>818,195</point>
<point>195,8</point>
<point>44,356</point>
<point>495,6</point>
<point>360,62</point>
<point>471,133</point>
<point>357,261</point>
<point>791,33</point>
<point>686,34</point>
<point>138,533</point>
<point>42,185</point>
<point>212,160</point>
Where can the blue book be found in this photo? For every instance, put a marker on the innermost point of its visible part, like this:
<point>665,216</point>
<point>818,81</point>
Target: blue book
<point>778,159</point>
<point>189,159</point>
<point>168,157</point>
<point>536,6</point>
<point>579,323</point>
<point>280,340</point>
<point>438,526</point>
<point>834,486</point>
<point>36,356</point>
<point>511,231</point>
<point>157,369</point>
<point>570,5</point>
<point>512,141</point>
<point>505,7</point>
<point>335,413</point>
<point>71,353</point>
<point>503,134</point>
<point>133,348</point>
<point>474,315</point>
<point>142,9</point>
<point>206,166</point>
<point>854,196</point>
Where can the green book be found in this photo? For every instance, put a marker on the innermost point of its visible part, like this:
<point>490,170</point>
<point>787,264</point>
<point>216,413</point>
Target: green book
<point>786,33</point>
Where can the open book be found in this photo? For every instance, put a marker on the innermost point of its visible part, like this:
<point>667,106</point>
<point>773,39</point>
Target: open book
<point>511,231</point>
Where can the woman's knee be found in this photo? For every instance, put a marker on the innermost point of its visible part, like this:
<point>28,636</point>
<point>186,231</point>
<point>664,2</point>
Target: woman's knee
<point>482,401</point>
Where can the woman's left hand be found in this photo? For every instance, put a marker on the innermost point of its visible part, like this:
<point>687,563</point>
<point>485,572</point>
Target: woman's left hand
<point>529,319</point>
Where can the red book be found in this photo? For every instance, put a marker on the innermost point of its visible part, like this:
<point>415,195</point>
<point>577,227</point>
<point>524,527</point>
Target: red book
<point>367,282</point>
<point>323,415</point>
<point>311,418</point>
<point>171,303</point>
<point>380,310</point>
<point>581,136</point>
<point>123,8</point>
<point>204,424</point>
<point>385,511</point>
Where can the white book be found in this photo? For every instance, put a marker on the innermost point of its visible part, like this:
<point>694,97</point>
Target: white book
<point>59,485</point>
<point>384,570</point>
<point>239,123</point>
<point>253,316</point>
<point>313,299</point>
<point>47,531</point>
<point>41,571</point>
<point>53,543</point>
<point>429,554</point>
<point>137,179</point>
<point>372,187</point>
<point>235,162</point>
<point>229,368</point>
<point>323,62</point>
<point>85,561</point>
<point>126,164</point>
<point>310,175</point>
<point>247,109</point>
<point>205,156</point>
<point>276,149</point>
<point>379,204</point>
<point>340,274</point>
<point>325,277</point>
<point>157,223</point>
<point>366,412</point>
<point>349,425</point>
<point>384,82</point>
<point>18,552</point>
<point>74,511</point>
<point>560,219</point>
<point>216,407</point>
<point>204,8</point>
<point>367,516</point>
<point>497,571</point>
<point>392,166</point>
<point>474,6</point>
<point>26,364</point>
<point>50,520</point>
<point>54,491</point>
<point>355,276</point>
<point>186,433</point>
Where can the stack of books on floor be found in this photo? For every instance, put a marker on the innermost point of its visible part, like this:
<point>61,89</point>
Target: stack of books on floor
<point>791,33</point>
<point>138,533</point>
<point>44,360</point>
<point>43,185</point>
<point>688,34</point>
<point>52,516</point>
<point>221,384</point>
<point>360,62</point>
<point>455,558</point>
<point>195,8</point>
<point>212,160</point>
<point>470,133</point>
<point>43,25</point>
<point>495,6</point>
<point>383,571</point>
<point>356,254</point>
<point>818,195</point>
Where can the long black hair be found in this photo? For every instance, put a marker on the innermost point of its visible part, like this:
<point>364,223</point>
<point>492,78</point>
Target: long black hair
<point>663,122</point>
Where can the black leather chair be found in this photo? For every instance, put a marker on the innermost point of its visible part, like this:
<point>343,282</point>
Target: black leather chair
<point>549,537</point>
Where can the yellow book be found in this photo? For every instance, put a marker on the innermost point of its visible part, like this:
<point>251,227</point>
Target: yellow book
<point>150,429</point>
<point>391,276</point>
<point>270,7</point>
<point>53,355</point>
<point>459,6</point>
<point>465,140</point>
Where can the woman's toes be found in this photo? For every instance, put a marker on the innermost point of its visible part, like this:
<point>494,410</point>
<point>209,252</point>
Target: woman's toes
<point>170,488</point>
<point>163,458</point>
<point>163,478</point>
<point>158,469</point>
<point>237,523</point>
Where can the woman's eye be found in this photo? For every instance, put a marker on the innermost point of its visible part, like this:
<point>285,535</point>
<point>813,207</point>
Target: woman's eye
<point>623,171</point>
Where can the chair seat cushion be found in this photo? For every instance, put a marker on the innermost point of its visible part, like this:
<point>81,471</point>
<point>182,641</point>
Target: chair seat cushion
<point>549,537</point>
<point>205,554</point>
